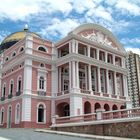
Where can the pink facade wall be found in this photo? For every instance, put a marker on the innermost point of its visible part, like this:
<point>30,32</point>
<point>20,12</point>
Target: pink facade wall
<point>13,105</point>
<point>13,75</point>
<point>34,123</point>
<point>36,65</point>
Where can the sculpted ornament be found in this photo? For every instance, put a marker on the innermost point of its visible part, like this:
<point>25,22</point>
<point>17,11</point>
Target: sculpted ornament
<point>100,38</point>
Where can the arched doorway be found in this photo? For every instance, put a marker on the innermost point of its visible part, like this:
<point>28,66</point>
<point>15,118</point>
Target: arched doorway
<point>114,107</point>
<point>87,107</point>
<point>9,117</point>
<point>122,107</point>
<point>115,114</point>
<point>41,113</point>
<point>123,112</point>
<point>97,106</point>
<point>63,109</point>
<point>106,107</point>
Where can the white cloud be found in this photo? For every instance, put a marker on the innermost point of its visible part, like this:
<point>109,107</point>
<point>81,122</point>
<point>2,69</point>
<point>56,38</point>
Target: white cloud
<point>59,27</point>
<point>131,41</point>
<point>20,10</point>
<point>81,6</point>
<point>134,50</point>
<point>126,6</point>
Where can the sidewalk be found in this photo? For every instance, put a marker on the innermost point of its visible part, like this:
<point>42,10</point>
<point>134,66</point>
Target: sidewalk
<point>97,137</point>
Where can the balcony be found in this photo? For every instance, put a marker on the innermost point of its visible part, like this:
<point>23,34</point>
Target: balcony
<point>18,93</point>
<point>41,93</point>
<point>3,98</point>
<point>10,96</point>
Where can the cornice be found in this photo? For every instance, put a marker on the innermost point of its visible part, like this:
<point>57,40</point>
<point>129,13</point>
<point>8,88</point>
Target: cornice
<point>91,43</point>
<point>90,61</point>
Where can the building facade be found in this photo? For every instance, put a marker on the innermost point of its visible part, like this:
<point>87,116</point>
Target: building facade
<point>81,73</point>
<point>133,66</point>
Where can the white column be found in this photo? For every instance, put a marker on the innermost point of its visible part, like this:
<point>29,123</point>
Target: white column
<point>59,71</point>
<point>115,83</point>
<point>73,46</point>
<point>123,62</point>
<point>88,52</point>
<point>113,59</point>
<point>73,74</point>
<point>26,108</point>
<point>107,81</point>
<point>99,79</point>
<point>77,75</point>
<point>54,80</point>
<point>76,105</point>
<point>97,54</point>
<point>86,77</point>
<point>125,86</point>
<point>106,56</point>
<point>89,78</point>
<point>70,47</point>
<point>70,75</point>
<point>76,47</point>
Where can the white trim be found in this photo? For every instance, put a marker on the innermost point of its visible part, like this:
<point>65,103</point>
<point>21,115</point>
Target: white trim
<point>17,121</point>
<point>2,110</point>
<point>10,106</point>
<point>4,85</point>
<point>10,87</point>
<point>19,77</point>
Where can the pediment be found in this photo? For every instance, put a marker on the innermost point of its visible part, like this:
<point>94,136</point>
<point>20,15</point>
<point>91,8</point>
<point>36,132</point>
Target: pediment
<point>98,34</point>
<point>99,37</point>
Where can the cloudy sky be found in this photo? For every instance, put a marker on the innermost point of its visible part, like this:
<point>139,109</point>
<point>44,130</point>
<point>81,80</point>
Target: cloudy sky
<point>53,19</point>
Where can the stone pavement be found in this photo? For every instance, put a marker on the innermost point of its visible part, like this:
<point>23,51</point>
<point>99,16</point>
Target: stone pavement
<point>30,134</point>
<point>83,136</point>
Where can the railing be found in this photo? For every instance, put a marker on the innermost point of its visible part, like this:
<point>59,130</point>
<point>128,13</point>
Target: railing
<point>41,93</point>
<point>3,98</point>
<point>79,118</point>
<point>18,93</point>
<point>100,115</point>
<point>10,96</point>
<point>62,93</point>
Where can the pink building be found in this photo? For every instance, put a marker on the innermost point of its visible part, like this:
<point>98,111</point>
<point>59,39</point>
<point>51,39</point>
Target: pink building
<point>79,74</point>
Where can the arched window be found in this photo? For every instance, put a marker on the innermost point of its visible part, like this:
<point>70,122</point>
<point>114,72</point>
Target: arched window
<point>2,116</point>
<point>19,81</point>
<point>21,49</point>
<point>6,59</point>
<point>41,114</point>
<point>42,48</point>
<point>41,83</point>
<point>11,87</point>
<point>66,110</point>
<point>42,65</point>
<point>13,54</point>
<point>17,114</point>
<point>4,90</point>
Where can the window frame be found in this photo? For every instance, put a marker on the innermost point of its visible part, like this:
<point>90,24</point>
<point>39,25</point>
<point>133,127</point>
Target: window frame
<point>42,46</point>
<point>10,87</point>
<point>44,113</point>
<point>17,120</point>
<point>2,110</point>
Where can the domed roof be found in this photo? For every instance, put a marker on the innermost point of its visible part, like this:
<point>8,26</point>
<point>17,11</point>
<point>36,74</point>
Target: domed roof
<point>14,38</point>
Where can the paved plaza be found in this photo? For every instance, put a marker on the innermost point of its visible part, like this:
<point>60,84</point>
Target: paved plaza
<point>29,134</point>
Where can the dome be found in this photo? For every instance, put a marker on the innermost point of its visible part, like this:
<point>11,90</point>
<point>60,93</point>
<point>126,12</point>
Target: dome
<point>14,38</point>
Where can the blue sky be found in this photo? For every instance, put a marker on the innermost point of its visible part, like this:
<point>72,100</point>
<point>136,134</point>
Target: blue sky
<point>53,19</point>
